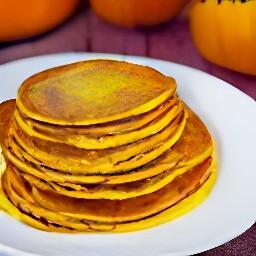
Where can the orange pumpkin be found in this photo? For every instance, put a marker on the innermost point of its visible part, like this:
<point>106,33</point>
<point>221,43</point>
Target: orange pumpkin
<point>20,19</point>
<point>131,13</point>
<point>224,33</point>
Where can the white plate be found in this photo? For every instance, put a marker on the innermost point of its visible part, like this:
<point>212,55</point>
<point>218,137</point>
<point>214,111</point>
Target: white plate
<point>229,210</point>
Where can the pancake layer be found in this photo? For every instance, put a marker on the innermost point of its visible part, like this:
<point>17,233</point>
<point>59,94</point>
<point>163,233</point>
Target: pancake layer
<point>102,90</point>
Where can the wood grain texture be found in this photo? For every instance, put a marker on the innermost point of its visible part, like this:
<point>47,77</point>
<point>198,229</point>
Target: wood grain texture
<point>87,33</point>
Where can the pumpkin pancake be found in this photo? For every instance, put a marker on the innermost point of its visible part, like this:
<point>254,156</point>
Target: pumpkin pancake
<point>42,216</point>
<point>6,112</point>
<point>93,92</point>
<point>97,130</point>
<point>6,115</point>
<point>16,212</point>
<point>101,145</point>
<point>81,214</point>
<point>107,140</point>
<point>112,192</point>
<point>173,212</point>
<point>74,160</point>
<point>128,209</point>
<point>195,136</point>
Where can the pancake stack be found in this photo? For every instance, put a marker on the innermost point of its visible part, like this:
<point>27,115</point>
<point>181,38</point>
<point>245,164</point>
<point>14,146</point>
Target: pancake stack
<point>102,145</point>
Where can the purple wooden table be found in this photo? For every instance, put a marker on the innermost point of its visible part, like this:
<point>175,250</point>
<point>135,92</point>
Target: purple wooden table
<point>86,33</point>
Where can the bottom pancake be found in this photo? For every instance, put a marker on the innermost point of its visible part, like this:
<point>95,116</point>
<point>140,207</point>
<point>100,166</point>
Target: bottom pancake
<point>54,212</point>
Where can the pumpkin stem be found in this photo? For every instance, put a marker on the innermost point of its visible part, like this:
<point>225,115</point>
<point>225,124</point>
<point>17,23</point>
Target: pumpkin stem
<point>219,1</point>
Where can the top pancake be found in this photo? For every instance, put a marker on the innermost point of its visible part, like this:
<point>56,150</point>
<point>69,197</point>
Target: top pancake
<point>93,92</point>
